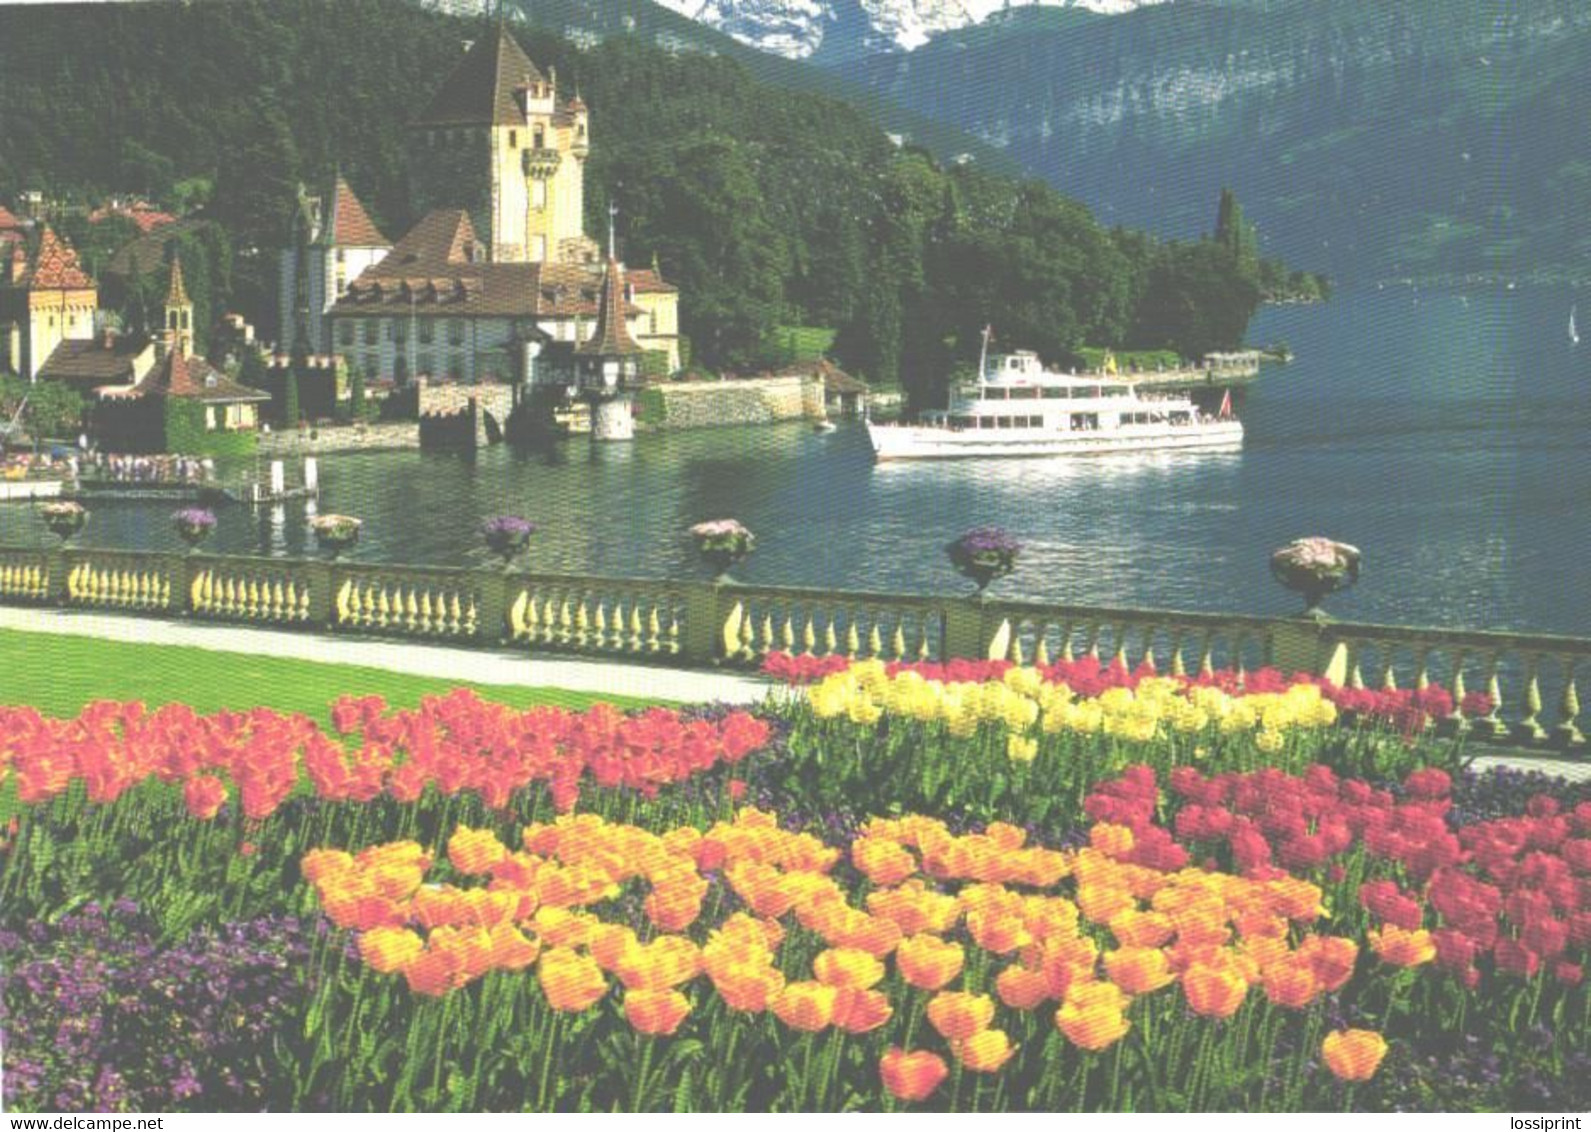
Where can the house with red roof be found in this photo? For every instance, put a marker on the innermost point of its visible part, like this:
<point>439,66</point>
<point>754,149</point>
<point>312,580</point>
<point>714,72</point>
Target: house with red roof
<point>46,299</point>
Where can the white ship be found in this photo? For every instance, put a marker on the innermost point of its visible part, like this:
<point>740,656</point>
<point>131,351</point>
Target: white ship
<point>1018,408</point>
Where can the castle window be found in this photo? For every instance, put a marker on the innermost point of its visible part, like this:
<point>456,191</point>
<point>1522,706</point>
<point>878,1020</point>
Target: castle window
<point>513,139</point>
<point>341,255</point>
<point>455,332</point>
<point>372,331</point>
<point>345,333</point>
<point>427,332</point>
<point>541,138</point>
<point>398,331</point>
<point>400,370</point>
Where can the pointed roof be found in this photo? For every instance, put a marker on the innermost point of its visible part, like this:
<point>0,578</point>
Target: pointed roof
<point>611,339</point>
<point>8,219</point>
<point>177,296</point>
<point>55,266</point>
<point>480,91</point>
<point>351,225</point>
<point>190,378</point>
<point>442,236</point>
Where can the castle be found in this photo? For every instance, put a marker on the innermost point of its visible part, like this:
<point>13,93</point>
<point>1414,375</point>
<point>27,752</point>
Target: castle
<point>498,281</point>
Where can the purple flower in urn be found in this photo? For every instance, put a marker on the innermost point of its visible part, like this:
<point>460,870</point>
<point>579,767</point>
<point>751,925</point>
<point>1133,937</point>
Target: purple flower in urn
<point>193,524</point>
<point>1315,567</point>
<point>984,554</point>
<point>507,535</point>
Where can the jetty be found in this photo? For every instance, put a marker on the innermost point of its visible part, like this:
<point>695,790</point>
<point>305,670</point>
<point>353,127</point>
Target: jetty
<point>250,490</point>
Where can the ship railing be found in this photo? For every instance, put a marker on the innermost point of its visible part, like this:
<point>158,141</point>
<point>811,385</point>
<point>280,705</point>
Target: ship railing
<point>1515,688</point>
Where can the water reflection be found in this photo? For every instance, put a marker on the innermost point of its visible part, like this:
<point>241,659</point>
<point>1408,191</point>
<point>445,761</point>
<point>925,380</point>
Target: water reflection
<point>1452,443</point>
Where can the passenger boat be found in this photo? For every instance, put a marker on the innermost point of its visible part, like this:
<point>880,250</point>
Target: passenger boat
<point>1018,408</point>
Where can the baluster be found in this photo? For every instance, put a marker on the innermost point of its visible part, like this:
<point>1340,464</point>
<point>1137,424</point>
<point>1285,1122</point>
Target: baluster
<point>582,622</point>
<point>1119,634</point>
<point>253,606</point>
<point>853,639</point>
<point>566,622</point>
<point>1422,674</point>
<point>1491,724</point>
<point>1041,649</point>
<point>1529,728</point>
<point>1238,644</point>
<point>1177,668</point>
<point>1567,733</point>
<point>788,634</point>
<point>1389,679</point>
<point>809,639</point>
<point>769,640</point>
<point>875,641</point>
<point>1093,630</point>
<point>831,643</point>
<point>472,615</point>
<point>600,625</point>
<point>278,609</point>
<point>672,639</point>
<point>1067,628</point>
<point>897,642</point>
<point>1455,718</point>
<point>516,616</point>
<point>1014,653</point>
<point>923,651</point>
<point>747,639</point>
<point>1148,661</point>
<point>459,616</point>
<point>1356,679</point>
<point>654,631</point>
<point>427,619</point>
<point>637,640</point>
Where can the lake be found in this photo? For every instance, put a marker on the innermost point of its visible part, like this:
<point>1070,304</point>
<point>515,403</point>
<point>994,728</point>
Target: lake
<point>1448,435</point>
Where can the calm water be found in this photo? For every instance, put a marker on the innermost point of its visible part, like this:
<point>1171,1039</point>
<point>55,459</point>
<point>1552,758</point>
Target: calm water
<point>1447,435</point>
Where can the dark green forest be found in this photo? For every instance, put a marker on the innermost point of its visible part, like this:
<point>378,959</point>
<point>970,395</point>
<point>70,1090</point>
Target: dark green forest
<point>767,206</point>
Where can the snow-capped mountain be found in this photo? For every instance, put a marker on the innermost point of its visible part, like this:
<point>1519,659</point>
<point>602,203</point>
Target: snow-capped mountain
<point>800,29</point>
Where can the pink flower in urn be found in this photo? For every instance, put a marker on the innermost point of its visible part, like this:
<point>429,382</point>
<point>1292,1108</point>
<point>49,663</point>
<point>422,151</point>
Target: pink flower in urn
<point>1315,567</point>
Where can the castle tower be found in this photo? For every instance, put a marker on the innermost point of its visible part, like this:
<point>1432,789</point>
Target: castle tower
<point>178,323</point>
<point>608,364</point>
<point>496,141</point>
<point>335,241</point>
<point>44,302</point>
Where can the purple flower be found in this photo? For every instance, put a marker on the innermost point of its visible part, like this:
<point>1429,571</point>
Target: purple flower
<point>507,527</point>
<point>196,518</point>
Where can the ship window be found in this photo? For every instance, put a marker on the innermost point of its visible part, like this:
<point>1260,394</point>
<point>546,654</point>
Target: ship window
<point>1026,393</point>
<point>963,422</point>
<point>1054,393</point>
<point>1005,422</point>
<point>993,393</point>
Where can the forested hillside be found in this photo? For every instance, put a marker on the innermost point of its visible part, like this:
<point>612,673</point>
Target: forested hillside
<point>767,206</point>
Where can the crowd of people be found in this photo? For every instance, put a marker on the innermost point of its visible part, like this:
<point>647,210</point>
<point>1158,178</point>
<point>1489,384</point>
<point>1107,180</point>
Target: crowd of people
<point>165,468</point>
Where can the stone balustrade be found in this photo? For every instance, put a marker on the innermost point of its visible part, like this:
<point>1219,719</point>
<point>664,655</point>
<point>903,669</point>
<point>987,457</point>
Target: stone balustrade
<point>1531,679</point>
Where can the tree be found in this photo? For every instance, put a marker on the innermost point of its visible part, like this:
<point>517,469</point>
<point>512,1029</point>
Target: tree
<point>1234,233</point>
<point>290,415</point>
<point>51,409</point>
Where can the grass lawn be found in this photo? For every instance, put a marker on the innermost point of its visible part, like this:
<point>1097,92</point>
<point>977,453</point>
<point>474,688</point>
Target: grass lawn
<point>58,674</point>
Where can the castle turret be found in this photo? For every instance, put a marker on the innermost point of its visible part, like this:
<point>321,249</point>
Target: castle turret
<point>178,336</point>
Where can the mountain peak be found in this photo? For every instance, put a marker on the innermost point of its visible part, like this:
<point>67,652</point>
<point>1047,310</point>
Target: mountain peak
<point>838,29</point>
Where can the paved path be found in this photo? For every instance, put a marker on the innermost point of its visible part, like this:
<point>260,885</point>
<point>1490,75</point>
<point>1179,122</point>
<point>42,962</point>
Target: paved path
<point>480,666</point>
<point>491,666</point>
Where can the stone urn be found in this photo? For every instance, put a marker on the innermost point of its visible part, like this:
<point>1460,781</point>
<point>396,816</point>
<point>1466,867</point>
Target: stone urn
<point>193,525</point>
<point>336,534</point>
<point>64,518</point>
<point>983,555</point>
<point>723,545</point>
<point>507,536</point>
<point>1315,568</point>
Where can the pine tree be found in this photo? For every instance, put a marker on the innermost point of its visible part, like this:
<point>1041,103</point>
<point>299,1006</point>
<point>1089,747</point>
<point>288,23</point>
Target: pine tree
<point>290,398</point>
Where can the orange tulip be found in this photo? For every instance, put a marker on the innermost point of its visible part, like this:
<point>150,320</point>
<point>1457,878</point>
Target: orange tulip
<point>389,949</point>
<point>958,1015</point>
<point>1141,929</point>
<point>928,962</point>
<point>986,1051</point>
<point>1138,970</point>
<point>572,982</point>
<point>434,972</point>
<point>884,863</point>
<point>998,933</point>
<point>912,1076</point>
<point>1020,988</point>
<point>655,1011</point>
<point>861,1011</point>
<point>1331,957</point>
<point>1292,983</point>
<point>474,851</point>
<point>746,987</point>
<point>848,968</point>
<point>1091,1027</point>
<point>1403,948</point>
<point>511,950</point>
<point>1112,840</point>
<point>1353,1055</point>
<point>805,1006</point>
<point>667,961</point>
<point>1214,992</point>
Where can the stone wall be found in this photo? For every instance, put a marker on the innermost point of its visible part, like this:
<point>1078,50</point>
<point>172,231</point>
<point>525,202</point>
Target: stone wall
<point>707,404</point>
<point>341,438</point>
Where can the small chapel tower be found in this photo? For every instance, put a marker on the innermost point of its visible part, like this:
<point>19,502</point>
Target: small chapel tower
<point>178,337</point>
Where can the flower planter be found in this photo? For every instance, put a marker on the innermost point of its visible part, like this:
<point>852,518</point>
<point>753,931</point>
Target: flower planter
<point>336,534</point>
<point>507,535</point>
<point>984,555</point>
<point>1315,568</point>
<point>193,525</point>
<point>64,519</point>
<point>723,545</point>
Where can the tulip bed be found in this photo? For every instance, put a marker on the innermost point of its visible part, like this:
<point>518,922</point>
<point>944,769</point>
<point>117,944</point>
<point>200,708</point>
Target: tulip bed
<point>974,887</point>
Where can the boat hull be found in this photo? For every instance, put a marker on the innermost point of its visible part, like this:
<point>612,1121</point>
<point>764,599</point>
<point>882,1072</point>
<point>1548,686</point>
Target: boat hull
<point>905,442</point>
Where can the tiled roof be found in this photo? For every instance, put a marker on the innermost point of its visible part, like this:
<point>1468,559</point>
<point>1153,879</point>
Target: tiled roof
<point>611,339</point>
<point>444,236</point>
<point>351,225</point>
<point>55,267</point>
<point>8,220</point>
<point>93,361</point>
<point>147,253</point>
<point>480,91</point>
<point>191,379</point>
<point>146,218</point>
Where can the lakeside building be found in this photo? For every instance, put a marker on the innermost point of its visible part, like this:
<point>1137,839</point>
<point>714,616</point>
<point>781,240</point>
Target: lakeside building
<point>498,281</point>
